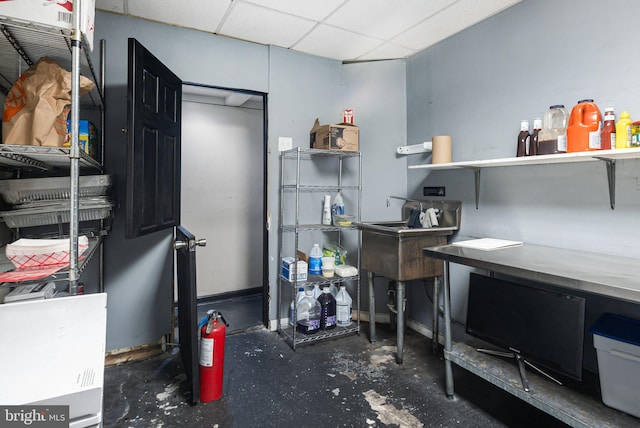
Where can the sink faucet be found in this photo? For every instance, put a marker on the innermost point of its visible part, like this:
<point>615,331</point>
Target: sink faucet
<point>404,199</point>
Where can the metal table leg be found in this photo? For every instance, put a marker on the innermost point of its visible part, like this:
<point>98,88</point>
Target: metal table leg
<point>447,331</point>
<point>400,321</point>
<point>436,314</point>
<point>372,309</point>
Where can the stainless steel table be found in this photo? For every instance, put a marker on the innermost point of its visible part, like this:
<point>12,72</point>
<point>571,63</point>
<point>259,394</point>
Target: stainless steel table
<point>613,277</point>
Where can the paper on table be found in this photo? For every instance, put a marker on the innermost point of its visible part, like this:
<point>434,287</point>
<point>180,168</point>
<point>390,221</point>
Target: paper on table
<point>487,244</point>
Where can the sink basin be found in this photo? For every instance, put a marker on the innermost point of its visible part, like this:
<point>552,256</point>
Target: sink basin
<point>394,250</point>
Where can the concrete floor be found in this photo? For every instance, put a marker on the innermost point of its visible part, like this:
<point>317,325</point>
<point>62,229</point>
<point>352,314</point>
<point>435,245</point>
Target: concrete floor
<point>343,382</point>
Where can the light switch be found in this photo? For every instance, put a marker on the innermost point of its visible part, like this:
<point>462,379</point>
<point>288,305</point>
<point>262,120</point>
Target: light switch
<point>285,143</point>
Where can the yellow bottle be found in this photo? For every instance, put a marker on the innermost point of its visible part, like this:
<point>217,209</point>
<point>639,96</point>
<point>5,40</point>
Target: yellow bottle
<point>623,131</point>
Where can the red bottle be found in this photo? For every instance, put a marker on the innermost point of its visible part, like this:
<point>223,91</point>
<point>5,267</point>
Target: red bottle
<point>608,135</point>
<point>583,132</point>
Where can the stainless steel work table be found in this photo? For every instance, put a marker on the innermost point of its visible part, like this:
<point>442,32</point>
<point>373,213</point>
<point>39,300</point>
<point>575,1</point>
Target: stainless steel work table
<point>613,277</point>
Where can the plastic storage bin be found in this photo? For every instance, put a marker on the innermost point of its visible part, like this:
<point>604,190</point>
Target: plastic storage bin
<point>617,342</point>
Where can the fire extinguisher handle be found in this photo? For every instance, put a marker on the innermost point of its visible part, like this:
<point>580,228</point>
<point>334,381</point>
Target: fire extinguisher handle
<point>222,318</point>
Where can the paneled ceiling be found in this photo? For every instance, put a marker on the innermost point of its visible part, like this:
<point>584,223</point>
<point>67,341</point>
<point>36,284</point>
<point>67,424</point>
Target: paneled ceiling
<point>346,30</point>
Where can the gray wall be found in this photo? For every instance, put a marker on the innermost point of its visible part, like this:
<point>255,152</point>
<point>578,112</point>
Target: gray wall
<point>479,84</point>
<point>301,88</point>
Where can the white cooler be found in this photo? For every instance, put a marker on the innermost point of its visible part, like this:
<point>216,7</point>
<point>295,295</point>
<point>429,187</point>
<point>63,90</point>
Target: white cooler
<point>617,342</point>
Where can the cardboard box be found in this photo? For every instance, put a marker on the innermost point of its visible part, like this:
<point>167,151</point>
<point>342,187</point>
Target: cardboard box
<point>617,343</point>
<point>57,14</point>
<point>342,137</point>
<point>291,271</point>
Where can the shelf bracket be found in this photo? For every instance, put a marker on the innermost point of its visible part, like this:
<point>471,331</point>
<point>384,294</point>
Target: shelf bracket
<point>611,179</point>
<point>476,173</point>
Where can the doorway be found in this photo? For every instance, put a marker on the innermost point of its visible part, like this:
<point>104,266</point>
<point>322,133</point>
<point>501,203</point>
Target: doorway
<point>223,198</point>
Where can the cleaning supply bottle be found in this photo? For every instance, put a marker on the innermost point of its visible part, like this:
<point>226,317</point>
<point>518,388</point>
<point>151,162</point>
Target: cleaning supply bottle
<point>623,131</point>
<point>523,138</point>
<point>316,292</point>
<point>326,210</point>
<point>327,310</point>
<point>553,136</point>
<point>292,307</point>
<point>343,307</point>
<point>608,135</point>
<point>308,321</point>
<point>338,205</point>
<point>533,141</point>
<point>315,260</point>
<point>583,132</point>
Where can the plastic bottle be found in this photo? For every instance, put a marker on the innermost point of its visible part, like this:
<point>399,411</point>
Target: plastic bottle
<point>583,132</point>
<point>316,292</point>
<point>326,210</point>
<point>328,310</point>
<point>553,136</point>
<point>533,140</point>
<point>343,307</point>
<point>523,138</point>
<point>333,290</point>
<point>623,131</point>
<point>308,314</point>
<point>292,307</point>
<point>315,260</point>
<point>338,205</point>
<point>608,135</point>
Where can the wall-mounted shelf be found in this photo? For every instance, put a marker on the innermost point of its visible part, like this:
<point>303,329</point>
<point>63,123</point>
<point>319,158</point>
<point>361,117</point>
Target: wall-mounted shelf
<point>607,156</point>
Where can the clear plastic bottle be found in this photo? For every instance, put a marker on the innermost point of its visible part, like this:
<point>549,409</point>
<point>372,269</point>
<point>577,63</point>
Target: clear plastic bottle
<point>328,310</point>
<point>533,141</point>
<point>292,307</point>
<point>338,205</point>
<point>608,135</point>
<point>316,292</point>
<point>315,260</point>
<point>623,131</point>
<point>333,290</point>
<point>343,307</point>
<point>523,138</point>
<point>553,136</point>
<point>308,314</point>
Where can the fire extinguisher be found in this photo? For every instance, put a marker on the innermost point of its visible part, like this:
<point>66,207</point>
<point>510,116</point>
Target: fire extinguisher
<point>212,337</point>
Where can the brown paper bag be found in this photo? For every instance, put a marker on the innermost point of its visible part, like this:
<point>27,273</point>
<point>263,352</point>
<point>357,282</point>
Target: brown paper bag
<point>36,109</point>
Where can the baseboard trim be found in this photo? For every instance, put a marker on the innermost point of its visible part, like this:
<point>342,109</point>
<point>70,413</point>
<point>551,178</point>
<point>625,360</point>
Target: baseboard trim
<point>230,295</point>
<point>134,353</point>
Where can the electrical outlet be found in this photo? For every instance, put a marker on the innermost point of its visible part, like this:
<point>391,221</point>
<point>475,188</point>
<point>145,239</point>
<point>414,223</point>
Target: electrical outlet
<point>285,143</point>
<point>433,191</point>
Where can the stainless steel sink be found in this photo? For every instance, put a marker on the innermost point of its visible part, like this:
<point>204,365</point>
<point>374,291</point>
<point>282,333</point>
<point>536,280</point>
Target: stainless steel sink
<point>394,250</point>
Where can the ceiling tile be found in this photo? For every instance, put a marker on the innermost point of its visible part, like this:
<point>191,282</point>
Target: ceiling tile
<point>111,5</point>
<point>386,51</point>
<point>385,18</point>
<point>336,43</point>
<point>250,22</point>
<point>202,15</point>
<point>310,9</point>
<point>450,21</point>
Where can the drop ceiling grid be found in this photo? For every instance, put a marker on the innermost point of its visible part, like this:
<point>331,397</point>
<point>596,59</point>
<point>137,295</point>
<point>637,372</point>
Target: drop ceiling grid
<point>347,30</point>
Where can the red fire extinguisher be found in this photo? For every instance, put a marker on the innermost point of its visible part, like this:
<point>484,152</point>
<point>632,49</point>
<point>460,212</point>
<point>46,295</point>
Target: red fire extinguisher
<point>212,337</point>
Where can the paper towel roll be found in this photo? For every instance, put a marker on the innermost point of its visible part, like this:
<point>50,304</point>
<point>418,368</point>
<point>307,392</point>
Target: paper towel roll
<point>441,151</point>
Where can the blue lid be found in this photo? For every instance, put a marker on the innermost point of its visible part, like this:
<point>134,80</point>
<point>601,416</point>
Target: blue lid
<point>617,327</point>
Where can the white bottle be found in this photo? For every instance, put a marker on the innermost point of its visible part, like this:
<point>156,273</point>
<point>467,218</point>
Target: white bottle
<point>315,260</point>
<point>326,210</point>
<point>292,310</point>
<point>338,205</point>
<point>343,307</point>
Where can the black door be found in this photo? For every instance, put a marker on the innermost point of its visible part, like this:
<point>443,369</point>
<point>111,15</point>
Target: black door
<point>153,149</point>
<point>153,184</point>
<point>185,245</point>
